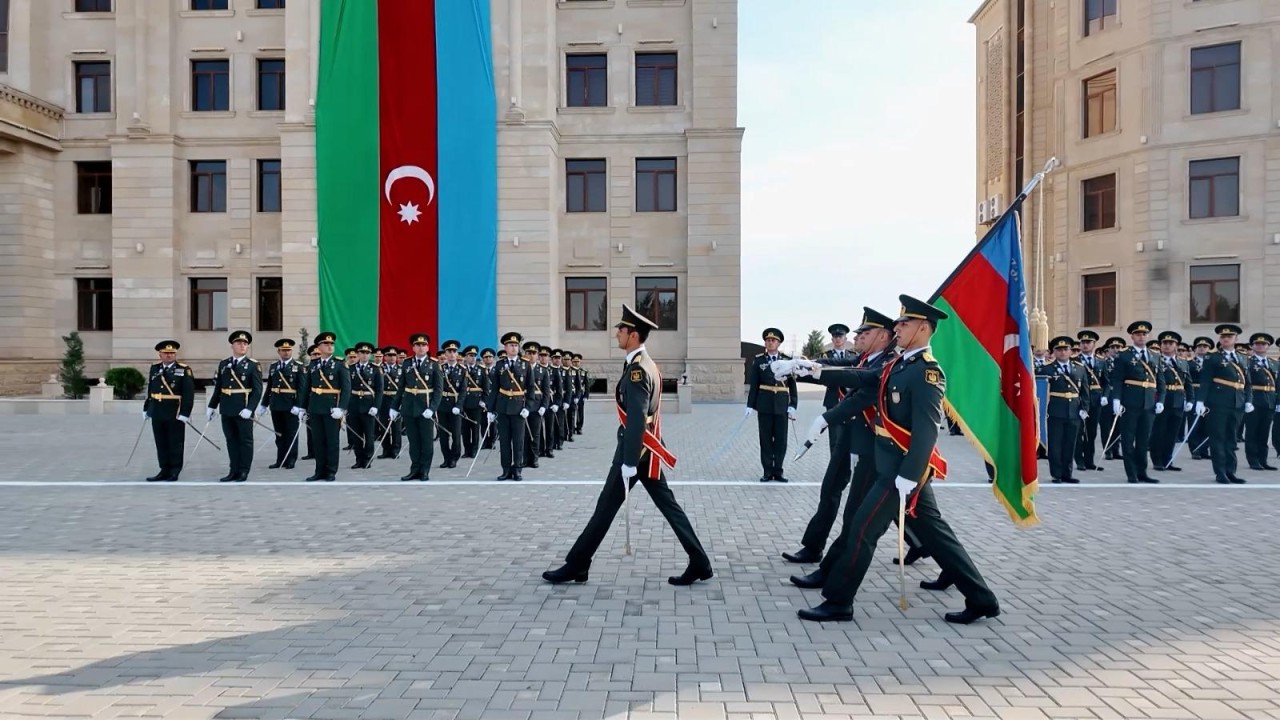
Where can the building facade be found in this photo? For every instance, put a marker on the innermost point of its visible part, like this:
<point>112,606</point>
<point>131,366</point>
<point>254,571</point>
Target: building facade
<point>157,178</point>
<point>1165,115</point>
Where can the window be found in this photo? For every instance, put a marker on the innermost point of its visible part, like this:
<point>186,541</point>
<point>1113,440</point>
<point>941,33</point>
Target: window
<point>208,303</point>
<point>584,185</point>
<point>210,85</point>
<point>656,300</point>
<point>656,78</point>
<point>1098,15</point>
<point>270,303</point>
<point>587,80</point>
<point>270,4</point>
<point>4,35</point>
<point>271,84</point>
<point>1215,188</point>
<point>93,87</point>
<point>655,184</point>
<point>1100,104</point>
<point>208,186</point>
<point>1100,300</point>
<point>93,6</point>
<point>208,4</point>
<point>93,304</point>
<point>269,186</point>
<point>93,187</point>
<point>586,303</point>
<point>1215,293</point>
<point>1099,203</point>
<point>1215,78</point>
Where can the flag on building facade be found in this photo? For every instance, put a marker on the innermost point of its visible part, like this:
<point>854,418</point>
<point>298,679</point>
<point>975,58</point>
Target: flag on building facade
<point>406,170</point>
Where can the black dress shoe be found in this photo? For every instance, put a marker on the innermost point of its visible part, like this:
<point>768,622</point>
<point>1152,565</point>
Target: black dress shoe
<point>275,465</point>
<point>812,581</point>
<point>1157,467</point>
<point>532,464</point>
<point>827,612</point>
<point>779,478</point>
<point>411,476</point>
<point>1080,467</point>
<point>241,477</point>
<point>1270,467</point>
<point>564,574</point>
<point>804,555</point>
<point>444,465</point>
<point>690,576</point>
<point>969,615</point>
<point>1174,468</point>
<point>313,478</point>
<point>330,478</point>
<point>158,477</point>
<point>1056,481</point>
<point>1071,481</point>
<point>357,466</point>
<point>765,478</point>
<point>229,477</point>
<point>348,447</point>
<point>942,583</point>
<point>1222,480</point>
<point>516,477</point>
<point>308,457</point>
<point>1235,480</point>
<point>913,554</point>
<point>503,476</point>
<point>385,456</point>
<point>1148,479</point>
<point>288,466</point>
<point>1096,467</point>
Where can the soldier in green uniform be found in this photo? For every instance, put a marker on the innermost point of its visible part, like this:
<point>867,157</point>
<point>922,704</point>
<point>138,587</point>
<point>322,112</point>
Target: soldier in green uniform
<point>313,357</point>
<point>510,396</point>
<point>421,387</point>
<point>539,391</point>
<point>366,396</point>
<point>1137,396</point>
<point>1198,432</point>
<point>1094,368</point>
<point>909,394</point>
<point>236,391</point>
<point>451,399</point>
<point>774,403</point>
<point>474,388</point>
<point>489,431</point>
<point>171,393</point>
<point>392,431</point>
<point>326,394</point>
<point>639,457</point>
<point>581,391</point>
<point>1069,402</point>
<point>1223,400</point>
<point>284,378</point>
<point>1170,425</point>
<point>1257,424</point>
<point>1108,421</point>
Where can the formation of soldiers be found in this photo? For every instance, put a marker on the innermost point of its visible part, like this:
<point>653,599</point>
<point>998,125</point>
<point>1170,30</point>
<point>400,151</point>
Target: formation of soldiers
<point>529,401</point>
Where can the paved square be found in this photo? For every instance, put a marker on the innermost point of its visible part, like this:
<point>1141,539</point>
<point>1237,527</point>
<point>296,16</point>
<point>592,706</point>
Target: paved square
<point>370,598</point>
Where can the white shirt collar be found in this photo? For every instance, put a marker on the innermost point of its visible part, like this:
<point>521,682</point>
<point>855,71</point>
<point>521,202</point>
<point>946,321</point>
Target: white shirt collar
<point>873,356</point>
<point>917,351</point>
<point>631,355</point>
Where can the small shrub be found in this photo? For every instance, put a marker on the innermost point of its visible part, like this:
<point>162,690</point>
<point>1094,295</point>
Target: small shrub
<point>126,382</point>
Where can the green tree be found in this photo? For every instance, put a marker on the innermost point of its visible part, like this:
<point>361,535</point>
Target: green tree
<point>71,374</point>
<point>815,344</point>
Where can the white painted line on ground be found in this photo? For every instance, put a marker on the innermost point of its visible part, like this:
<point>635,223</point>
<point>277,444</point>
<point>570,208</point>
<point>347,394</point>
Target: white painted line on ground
<point>494,483</point>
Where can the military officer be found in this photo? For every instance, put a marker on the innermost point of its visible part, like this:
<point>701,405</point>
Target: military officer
<point>171,393</point>
<point>236,391</point>
<point>313,356</point>
<point>451,401</point>
<point>547,438</point>
<point>539,389</point>
<point>639,457</point>
<point>392,431</point>
<point>1225,397</point>
<point>1068,406</point>
<point>284,378</point>
<point>560,362</point>
<point>421,391</point>
<point>839,351</point>
<point>475,386</point>
<point>1095,370</point>
<point>1257,424</point>
<point>490,431</point>
<point>366,397</point>
<point>909,398</point>
<point>583,391</point>
<point>1108,422</point>
<point>510,396</point>
<point>325,397</point>
<point>1198,432</point>
<point>1137,396</point>
<point>773,402</point>
<point>1170,426</point>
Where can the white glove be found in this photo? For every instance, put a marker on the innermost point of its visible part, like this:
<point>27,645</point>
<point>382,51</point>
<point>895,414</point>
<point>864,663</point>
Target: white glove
<point>295,410</point>
<point>1104,399</point>
<point>492,417</point>
<point>208,413</point>
<point>336,413</point>
<point>1084,414</point>
<point>1278,407</point>
<point>791,413</point>
<point>555,408</point>
<point>524,412</point>
<point>1186,407</point>
<point>146,414</point>
<point>1201,409</point>
<point>542,411</point>
<point>749,411</point>
<point>457,410</point>
<point>1159,408</point>
<point>810,368</point>
<point>1248,407</point>
<point>373,411</point>
<point>853,459</point>
<point>394,413</point>
<point>246,414</point>
<point>1115,406</point>
<point>782,368</point>
<point>262,410</point>
<point>628,472</point>
<point>816,429</point>
<point>483,406</point>
<point>184,419</point>
<point>428,413</point>
<point>904,487</point>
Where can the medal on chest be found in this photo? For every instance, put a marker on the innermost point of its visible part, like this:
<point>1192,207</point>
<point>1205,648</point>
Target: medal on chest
<point>895,396</point>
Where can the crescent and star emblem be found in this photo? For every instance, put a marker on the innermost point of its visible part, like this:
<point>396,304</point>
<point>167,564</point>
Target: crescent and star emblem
<point>408,211</point>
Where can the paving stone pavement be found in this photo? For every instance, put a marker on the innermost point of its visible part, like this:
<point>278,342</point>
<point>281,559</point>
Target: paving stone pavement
<point>368,599</point>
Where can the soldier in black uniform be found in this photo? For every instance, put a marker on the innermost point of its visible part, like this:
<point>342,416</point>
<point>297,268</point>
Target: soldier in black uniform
<point>489,431</point>
<point>1257,424</point>
<point>1170,426</point>
<point>392,432</point>
<point>421,388</point>
<point>839,352</point>
<point>313,356</point>
<point>236,391</point>
<point>474,387</point>
<point>1198,432</point>
<point>546,439</point>
<point>1095,369</point>
<point>1137,396</point>
<point>539,389</point>
<point>639,457</point>
<point>1223,400</point>
<point>774,402</point>
<point>510,396</point>
<point>582,391</point>
<point>909,400</point>
<point>325,396</point>
<point>1068,407</point>
<point>451,404</point>
<point>1108,422</point>
<point>366,398</point>
<point>562,388</point>
<point>171,393</point>
<point>284,379</point>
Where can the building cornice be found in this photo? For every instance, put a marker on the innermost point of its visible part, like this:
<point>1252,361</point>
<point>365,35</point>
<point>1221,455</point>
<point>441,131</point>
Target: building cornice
<point>30,102</point>
<point>981,9</point>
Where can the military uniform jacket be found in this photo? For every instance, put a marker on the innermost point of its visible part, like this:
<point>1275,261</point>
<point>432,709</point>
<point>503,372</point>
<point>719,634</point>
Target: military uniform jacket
<point>766,393</point>
<point>474,387</point>
<point>283,385</point>
<point>511,389</point>
<point>637,394</point>
<point>236,386</point>
<point>1136,383</point>
<point>1224,384</point>
<point>366,387</point>
<point>390,384</point>
<point>834,357</point>
<point>1177,382</point>
<point>539,387</point>
<point>1068,388</point>
<point>454,385</point>
<point>1098,376</point>
<point>327,386</point>
<point>171,391</point>
<point>582,383</point>
<point>421,387</point>
<point>1195,367</point>
<point>1262,378</point>
<point>851,410</point>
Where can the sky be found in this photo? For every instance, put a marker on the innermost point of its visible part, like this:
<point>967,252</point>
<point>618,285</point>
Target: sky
<point>858,162</point>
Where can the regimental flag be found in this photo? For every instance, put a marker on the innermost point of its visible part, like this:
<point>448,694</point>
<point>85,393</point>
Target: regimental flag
<point>406,165</point>
<point>989,337</point>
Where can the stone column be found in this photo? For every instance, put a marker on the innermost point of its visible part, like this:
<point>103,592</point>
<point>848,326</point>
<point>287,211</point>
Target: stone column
<point>26,246</point>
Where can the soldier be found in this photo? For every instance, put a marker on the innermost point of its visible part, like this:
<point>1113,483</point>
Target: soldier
<point>313,356</point>
<point>237,389</point>
<point>582,392</point>
<point>1223,400</point>
<point>451,404</point>
<point>284,378</point>
<point>1108,422</point>
<point>547,438</point>
<point>1095,370</point>
<point>510,396</point>
<point>1068,407</point>
<point>475,386</point>
<point>909,395</point>
<point>349,361</point>
<point>325,396</point>
<point>392,430</point>
<point>1137,396</point>
<point>1170,426</point>
<point>639,457</point>
<point>1262,376</point>
<point>171,393</point>
<point>421,387</point>
<point>490,431</point>
<point>839,352</point>
<point>563,384</point>
<point>366,397</point>
<point>774,401</point>
<point>1198,437</point>
<point>539,389</point>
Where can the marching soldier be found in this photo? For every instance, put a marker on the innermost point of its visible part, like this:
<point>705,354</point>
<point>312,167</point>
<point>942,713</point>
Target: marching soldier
<point>284,378</point>
<point>451,404</point>
<point>236,391</point>
<point>475,382</point>
<point>313,356</point>
<point>393,430</point>
<point>1223,400</point>
<point>1108,422</point>
<point>325,396</point>
<point>582,392</point>
<point>1095,369</point>
<point>538,391</point>
<point>1170,425</point>
<point>1068,407</point>
<point>171,393</point>
<point>490,432</point>
<point>421,388</point>
<point>1262,376</point>
<point>547,439</point>
<point>366,397</point>
<point>774,401</point>
<point>833,395</point>
<point>510,396</point>
<point>639,457</point>
<point>1137,396</point>
<point>1198,434</point>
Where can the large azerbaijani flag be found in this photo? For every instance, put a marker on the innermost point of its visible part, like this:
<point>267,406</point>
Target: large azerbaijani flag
<point>989,336</point>
<point>406,165</point>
